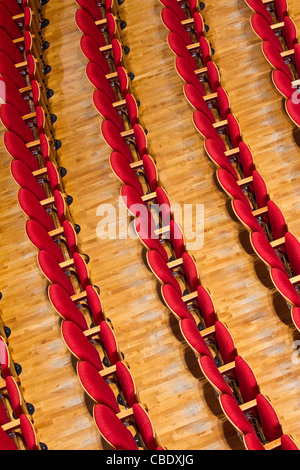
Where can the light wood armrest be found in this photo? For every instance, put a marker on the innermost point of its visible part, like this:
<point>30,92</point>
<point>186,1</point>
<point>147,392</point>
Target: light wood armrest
<point>247,406</point>
<point>40,172</point>
<point>92,331</point>
<point>108,47</point>
<point>67,264</point>
<point>296,83</point>
<point>11,426</point>
<point>210,97</point>
<point>288,53</point>
<point>191,47</point>
<point>208,331</point>
<point>220,124</point>
<point>273,444</point>
<point>190,297</point>
<point>277,25</point>
<point>119,104</point>
<point>149,197</point>
<point>28,116</point>
<point>128,133</point>
<point>108,371</point>
<point>136,165</point>
<point>261,211</point>
<point>175,264</point>
<point>200,71</point>
<point>80,296</point>
<point>56,232</point>
<point>295,279</point>
<point>111,76</point>
<point>34,143</point>
<point>278,242</point>
<point>162,231</point>
<point>244,181</point>
<point>232,152</point>
<point>227,367</point>
<point>187,22</point>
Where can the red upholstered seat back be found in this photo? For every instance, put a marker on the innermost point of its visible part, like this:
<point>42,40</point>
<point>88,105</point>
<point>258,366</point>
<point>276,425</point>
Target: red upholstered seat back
<point>53,272</point>
<point>175,303</point>
<point>65,307</point>
<point>41,239</point>
<point>193,337</point>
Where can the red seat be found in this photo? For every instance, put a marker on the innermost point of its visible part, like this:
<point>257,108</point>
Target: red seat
<point>263,30</point>
<point>272,55</point>
<point>41,240</point>
<point>285,287</point>
<point>246,217</point>
<point>213,375</point>
<point>283,84</point>
<point>230,186</point>
<point>264,250</point>
<point>174,302</point>
<point>194,339</point>
<point>293,251</point>
<point>65,307</point>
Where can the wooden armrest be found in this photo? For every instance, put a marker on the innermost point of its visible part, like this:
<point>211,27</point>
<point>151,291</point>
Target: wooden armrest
<point>190,297</point>
<point>227,367</point>
<point>277,25</point>
<point>40,172</point>
<point>220,124</point>
<point>149,197</point>
<point>34,143</point>
<point>278,242</point>
<point>11,426</point>
<point>247,406</point>
<point>111,76</point>
<point>56,232</point>
<point>187,22</point>
<point>106,48</point>
<point>273,444</point>
<point>210,97</point>
<point>296,83</point>
<point>288,53</point>
<point>232,152</point>
<point>92,331</point>
<point>119,104</point>
<point>78,297</point>
<point>200,71</point>
<point>261,211</point>
<point>127,134</point>
<point>295,279</point>
<point>208,331</point>
<point>108,371</point>
<point>103,21</point>
<point>136,165</point>
<point>25,117</point>
<point>191,47</point>
<point>244,181</point>
<point>67,264</point>
<point>162,231</point>
<point>175,264</point>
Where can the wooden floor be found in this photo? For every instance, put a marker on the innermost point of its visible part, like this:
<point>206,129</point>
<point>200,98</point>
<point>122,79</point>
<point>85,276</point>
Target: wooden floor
<point>182,405</point>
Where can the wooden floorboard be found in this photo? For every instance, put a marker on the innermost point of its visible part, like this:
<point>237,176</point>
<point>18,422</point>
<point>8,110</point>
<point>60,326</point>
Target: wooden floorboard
<point>183,407</point>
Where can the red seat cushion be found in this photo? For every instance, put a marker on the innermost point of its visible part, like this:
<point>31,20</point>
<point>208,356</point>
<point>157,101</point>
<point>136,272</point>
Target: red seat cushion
<point>193,337</point>
<point>126,382</point>
<point>225,342</point>
<point>217,155</point>
<point>91,51</point>
<point>195,99</point>
<point>96,387</point>
<point>245,215</point>
<point>65,307</point>
<point>246,379</point>
<point>206,306</point>
<point>53,272</point>
<point>293,251</point>
<point>161,270</point>
<point>213,375</point>
<point>41,239</point>
<point>246,159</point>
<point>277,221</point>
<point>230,186</point>
<point>268,418</point>
<point>283,84</point>
<point>264,250</point>
<point>24,178</point>
<point>252,442</point>
<point>260,189</point>
<point>121,168</point>
<point>87,26</point>
<point>206,129</point>
<point>79,344</point>
<point>95,305</point>
<point>296,317</point>
<point>235,415</point>
<point>91,8</point>
<point>287,443</point>
<point>144,426</point>
<point>175,303</point>
<point>6,443</point>
<point>272,55</point>
<point>28,433</point>
<point>14,396</point>
<point>113,430</point>
<point>109,342</point>
<point>263,30</point>
<point>114,140</point>
<point>18,150</point>
<point>34,210</point>
<point>285,287</point>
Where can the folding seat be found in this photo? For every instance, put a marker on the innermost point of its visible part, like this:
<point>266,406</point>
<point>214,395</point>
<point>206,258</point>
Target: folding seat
<point>197,55</point>
<point>117,114</point>
<point>194,339</point>
<point>98,80</point>
<point>218,157</point>
<point>293,112</point>
<point>96,387</point>
<point>53,272</point>
<point>10,94</point>
<point>187,73</point>
<point>189,29</point>
<point>176,8</point>
<point>263,30</point>
<point>196,100</point>
<point>268,418</point>
<point>282,84</point>
<point>214,376</point>
<point>41,240</point>
<point>277,62</point>
<point>91,51</point>
<point>148,237</point>
<point>8,47</point>
<point>92,380</point>
<point>210,131</point>
<point>264,250</point>
<point>288,443</point>
<point>252,442</point>
<point>58,298</point>
<point>285,442</point>
<point>25,179</point>
<point>246,380</point>
<point>115,140</point>
<point>113,430</point>
<point>285,287</point>
<point>289,33</point>
<point>231,187</point>
<point>13,7</point>
<point>8,68</point>
<point>83,349</point>
<point>278,225</point>
<point>10,392</point>
<point>257,6</point>
<point>161,270</point>
<point>246,217</point>
<point>235,415</point>
<point>87,26</point>
<point>292,246</point>
<point>91,8</point>
<point>6,442</point>
<point>8,24</point>
<point>24,431</point>
<point>33,209</point>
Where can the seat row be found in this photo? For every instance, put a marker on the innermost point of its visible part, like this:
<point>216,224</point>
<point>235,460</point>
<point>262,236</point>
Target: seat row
<point>235,167</point>
<point>148,203</point>
<point>271,22</point>
<point>17,430</point>
<point>86,331</point>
